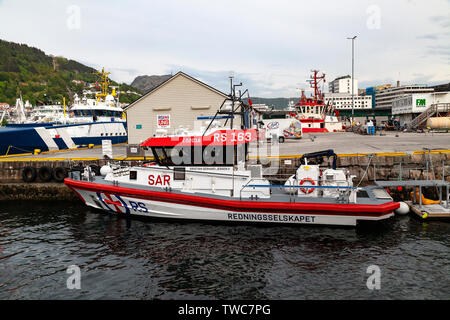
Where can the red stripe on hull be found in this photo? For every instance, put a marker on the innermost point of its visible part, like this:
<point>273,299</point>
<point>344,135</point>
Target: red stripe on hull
<point>238,205</point>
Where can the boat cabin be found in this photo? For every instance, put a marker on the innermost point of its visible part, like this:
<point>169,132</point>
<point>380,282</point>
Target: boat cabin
<point>220,148</point>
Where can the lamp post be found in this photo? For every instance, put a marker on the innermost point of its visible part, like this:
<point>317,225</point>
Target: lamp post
<point>353,77</point>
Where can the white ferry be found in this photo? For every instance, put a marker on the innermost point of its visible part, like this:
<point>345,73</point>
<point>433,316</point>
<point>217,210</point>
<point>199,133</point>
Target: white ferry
<point>88,122</point>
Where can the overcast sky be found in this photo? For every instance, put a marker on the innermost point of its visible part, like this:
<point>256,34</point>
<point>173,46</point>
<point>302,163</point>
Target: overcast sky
<point>270,46</point>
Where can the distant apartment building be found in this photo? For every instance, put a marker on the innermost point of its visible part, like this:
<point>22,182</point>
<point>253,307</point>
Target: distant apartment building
<point>343,85</point>
<point>370,91</point>
<point>343,101</point>
<point>78,82</point>
<point>407,107</point>
<point>385,97</point>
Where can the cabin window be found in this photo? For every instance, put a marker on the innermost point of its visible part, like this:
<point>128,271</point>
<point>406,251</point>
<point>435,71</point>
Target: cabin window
<point>362,194</point>
<point>196,156</point>
<point>381,194</point>
<point>133,175</point>
<point>179,173</point>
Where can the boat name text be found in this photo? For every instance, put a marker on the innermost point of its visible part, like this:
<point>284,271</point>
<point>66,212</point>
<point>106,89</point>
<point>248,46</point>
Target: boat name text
<point>271,217</point>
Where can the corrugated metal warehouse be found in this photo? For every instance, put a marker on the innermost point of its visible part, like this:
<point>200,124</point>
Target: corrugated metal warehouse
<point>176,102</point>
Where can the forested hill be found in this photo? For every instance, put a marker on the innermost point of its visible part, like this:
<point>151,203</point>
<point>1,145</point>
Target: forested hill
<point>41,78</point>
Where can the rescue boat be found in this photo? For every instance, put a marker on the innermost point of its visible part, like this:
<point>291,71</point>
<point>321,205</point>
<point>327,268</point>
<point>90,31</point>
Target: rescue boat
<point>209,177</point>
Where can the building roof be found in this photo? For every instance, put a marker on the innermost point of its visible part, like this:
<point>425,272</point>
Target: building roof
<point>442,87</point>
<point>178,74</point>
<point>343,77</point>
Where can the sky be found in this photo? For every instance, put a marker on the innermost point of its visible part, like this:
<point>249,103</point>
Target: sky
<point>269,46</point>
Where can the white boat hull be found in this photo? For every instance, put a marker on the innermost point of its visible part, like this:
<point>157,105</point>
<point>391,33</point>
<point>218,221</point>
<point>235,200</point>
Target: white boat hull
<point>126,205</point>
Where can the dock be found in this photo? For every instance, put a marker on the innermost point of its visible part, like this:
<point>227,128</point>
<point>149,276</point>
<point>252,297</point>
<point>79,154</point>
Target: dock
<point>425,208</point>
<point>430,211</point>
<point>369,158</point>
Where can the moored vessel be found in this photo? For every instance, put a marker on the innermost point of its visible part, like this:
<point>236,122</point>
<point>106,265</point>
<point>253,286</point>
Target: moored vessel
<point>313,113</point>
<point>209,177</point>
<point>51,128</point>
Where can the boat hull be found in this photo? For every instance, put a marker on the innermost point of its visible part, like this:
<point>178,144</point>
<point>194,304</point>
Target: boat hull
<point>17,140</point>
<point>164,204</point>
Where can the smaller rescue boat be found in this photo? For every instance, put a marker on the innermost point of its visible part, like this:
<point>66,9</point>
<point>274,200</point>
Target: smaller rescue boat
<point>208,177</point>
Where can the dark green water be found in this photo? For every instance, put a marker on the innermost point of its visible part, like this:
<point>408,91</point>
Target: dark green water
<point>146,259</point>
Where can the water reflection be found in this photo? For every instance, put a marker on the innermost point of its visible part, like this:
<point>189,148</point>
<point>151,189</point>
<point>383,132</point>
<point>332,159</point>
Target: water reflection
<point>145,259</point>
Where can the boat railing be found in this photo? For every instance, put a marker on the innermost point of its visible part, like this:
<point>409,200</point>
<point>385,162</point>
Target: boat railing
<point>344,190</point>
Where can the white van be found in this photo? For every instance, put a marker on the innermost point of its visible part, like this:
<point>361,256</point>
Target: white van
<point>281,129</point>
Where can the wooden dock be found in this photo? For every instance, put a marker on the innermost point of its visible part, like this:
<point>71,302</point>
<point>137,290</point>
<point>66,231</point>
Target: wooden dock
<point>424,208</point>
<point>430,211</point>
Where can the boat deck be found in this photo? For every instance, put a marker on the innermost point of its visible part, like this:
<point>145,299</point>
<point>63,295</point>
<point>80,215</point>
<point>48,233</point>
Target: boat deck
<point>277,194</point>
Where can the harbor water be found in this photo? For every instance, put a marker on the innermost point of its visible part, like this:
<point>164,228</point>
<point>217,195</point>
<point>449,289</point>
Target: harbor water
<point>123,258</point>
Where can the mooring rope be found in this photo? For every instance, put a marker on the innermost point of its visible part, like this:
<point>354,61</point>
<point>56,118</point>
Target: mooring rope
<point>367,169</point>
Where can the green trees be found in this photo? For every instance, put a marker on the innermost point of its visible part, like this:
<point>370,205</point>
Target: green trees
<point>40,78</point>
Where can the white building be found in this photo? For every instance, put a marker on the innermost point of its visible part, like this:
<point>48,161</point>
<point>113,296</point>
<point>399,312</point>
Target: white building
<point>384,98</point>
<point>343,85</point>
<point>343,101</point>
<point>174,104</point>
<point>407,107</point>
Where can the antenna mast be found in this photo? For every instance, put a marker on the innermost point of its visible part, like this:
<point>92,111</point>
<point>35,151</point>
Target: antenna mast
<point>314,82</point>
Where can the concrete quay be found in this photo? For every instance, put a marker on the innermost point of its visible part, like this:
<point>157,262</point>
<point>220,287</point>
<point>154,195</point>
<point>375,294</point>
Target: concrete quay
<point>36,191</point>
<point>344,143</point>
<point>351,143</point>
<point>391,156</point>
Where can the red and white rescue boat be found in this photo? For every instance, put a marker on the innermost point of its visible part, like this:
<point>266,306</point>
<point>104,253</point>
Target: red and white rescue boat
<point>208,177</point>
<point>227,191</point>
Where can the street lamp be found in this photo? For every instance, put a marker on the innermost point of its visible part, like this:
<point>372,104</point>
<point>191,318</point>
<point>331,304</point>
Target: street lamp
<point>353,77</point>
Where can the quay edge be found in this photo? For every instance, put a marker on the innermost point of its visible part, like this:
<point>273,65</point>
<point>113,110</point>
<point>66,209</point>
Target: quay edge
<point>413,166</point>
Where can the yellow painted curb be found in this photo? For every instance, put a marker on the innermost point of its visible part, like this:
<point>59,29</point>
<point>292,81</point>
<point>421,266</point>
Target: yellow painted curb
<point>16,155</point>
<point>379,154</point>
<point>74,159</point>
<point>432,151</point>
<point>54,151</point>
<point>46,159</point>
